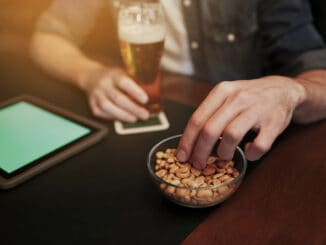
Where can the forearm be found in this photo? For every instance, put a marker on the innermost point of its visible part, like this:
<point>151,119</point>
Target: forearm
<point>62,59</point>
<point>313,106</point>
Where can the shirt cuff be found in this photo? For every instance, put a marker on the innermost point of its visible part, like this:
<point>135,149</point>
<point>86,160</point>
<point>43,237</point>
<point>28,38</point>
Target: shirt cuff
<point>310,60</point>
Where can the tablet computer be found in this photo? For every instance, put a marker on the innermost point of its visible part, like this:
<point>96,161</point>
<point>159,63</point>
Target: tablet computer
<point>35,135</point>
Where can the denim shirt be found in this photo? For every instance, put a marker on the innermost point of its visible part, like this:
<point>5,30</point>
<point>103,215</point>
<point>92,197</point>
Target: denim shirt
<point>229,39</point>
<point>245,39</point>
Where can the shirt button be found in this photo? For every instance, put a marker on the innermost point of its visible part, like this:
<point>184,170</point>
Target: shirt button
<point>186,3</point>
<point>194,45</point>
<point>230,37</point>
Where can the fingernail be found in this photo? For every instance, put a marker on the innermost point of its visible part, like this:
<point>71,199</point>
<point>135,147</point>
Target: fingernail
<point>132,119</point>
<point>181,155</point>
<point>197,165</point>
<point>145,115</point>
<point>143,99</point>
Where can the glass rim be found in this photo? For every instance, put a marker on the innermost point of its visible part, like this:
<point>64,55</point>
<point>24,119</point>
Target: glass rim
<point>152,172</point>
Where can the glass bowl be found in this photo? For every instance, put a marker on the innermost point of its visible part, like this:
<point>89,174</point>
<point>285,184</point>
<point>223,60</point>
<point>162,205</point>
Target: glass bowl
<point>195,194</point>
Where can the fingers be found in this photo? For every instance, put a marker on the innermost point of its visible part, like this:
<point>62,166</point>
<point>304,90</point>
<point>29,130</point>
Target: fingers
<point>212,131</point>
<point>263,142</point>
<point>108,100</point>
<point>231,111</point>
<point>125,103</point>
<point>234,133</point>
<point>131,88</point>
<point>104,108</point>
<point>213,101</point>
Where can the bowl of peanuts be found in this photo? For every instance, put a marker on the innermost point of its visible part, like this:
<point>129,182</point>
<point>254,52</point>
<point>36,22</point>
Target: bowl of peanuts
<point>187,186</point>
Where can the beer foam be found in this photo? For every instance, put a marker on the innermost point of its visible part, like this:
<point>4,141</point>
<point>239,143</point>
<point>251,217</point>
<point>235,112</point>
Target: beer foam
<point>141,33</point>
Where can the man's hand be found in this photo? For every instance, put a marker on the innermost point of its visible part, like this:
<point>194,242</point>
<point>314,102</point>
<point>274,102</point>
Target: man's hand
<point>231,109</point>
<point>114,95</point>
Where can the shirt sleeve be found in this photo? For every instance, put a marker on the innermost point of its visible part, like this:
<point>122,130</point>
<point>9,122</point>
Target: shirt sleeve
<point>290,42</point>
<point>71,19</point>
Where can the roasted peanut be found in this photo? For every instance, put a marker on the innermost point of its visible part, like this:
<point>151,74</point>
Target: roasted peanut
<point>225,178</point>
<point>220,170</point>
<point>160,154</point>
<point>173,169</point>
<point>221,164</point>
<point>216,176</point>
<point>187,182</point>
<point>209,170</point>
<point>229,170</point>
<point>229,164</point>
<point>235,174</point>
<point>204,193</point>
<point>183,172</point>
<point>175,182</point>
<point>161,173</point>
<point>162,186</point>
<point>211,160</point>
<point>170,160</point>
<point>195,172</point>
<point>223,189</point>
<point>182,192</point>
<point>170,189</point>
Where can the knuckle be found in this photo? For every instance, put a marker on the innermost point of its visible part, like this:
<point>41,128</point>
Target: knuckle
<point>96,112</point>
<point>195,122</point>
<point>224,87</point>
<point>232,135</point>
<point>115,97</point>
<point>104,81</point>
<point>208,134</point>
<point>242,97</point>
<point>102,104</point>
<point>120,81</point>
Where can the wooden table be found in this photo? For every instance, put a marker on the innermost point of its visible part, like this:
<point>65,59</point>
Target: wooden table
<point>281,202</point>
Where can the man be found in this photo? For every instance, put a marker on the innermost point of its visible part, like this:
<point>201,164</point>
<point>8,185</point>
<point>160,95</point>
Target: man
<point>269,49</point>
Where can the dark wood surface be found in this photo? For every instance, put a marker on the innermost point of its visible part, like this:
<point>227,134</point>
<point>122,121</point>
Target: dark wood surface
<point>184,90</point>
<point>281,202</point>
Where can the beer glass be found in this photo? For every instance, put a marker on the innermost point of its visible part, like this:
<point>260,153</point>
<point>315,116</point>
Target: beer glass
<point>141,31</point>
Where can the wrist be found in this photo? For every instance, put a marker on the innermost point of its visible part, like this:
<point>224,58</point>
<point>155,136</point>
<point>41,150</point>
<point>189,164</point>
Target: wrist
<point>88,75</point>
<point>298,92</point>
<point>301,91</point>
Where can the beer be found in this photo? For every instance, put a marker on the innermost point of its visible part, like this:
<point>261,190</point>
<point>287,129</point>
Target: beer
<point>141,46</point>
<point>142,62</point>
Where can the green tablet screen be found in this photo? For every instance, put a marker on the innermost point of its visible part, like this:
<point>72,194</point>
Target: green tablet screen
<point>28,133</point>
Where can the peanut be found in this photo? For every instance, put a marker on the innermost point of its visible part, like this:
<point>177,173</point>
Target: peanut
<point>208,171</point>
<point>182,172</point>
<point>204,193</point>
<point>161,173</point>
<point>170,160</point>
<point>181,192</point>
<point>173,169</point>
<point>211,160</point>
<point>170,190</point>
<point>195,172</point>
<point>160,154</point>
